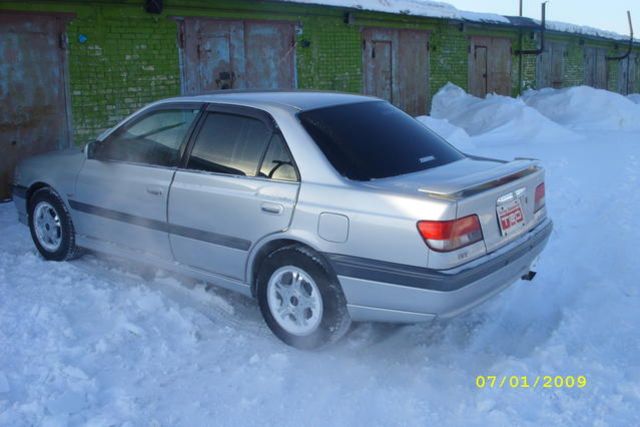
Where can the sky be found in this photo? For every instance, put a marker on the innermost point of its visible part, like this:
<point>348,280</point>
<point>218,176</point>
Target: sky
<point>608,15</point>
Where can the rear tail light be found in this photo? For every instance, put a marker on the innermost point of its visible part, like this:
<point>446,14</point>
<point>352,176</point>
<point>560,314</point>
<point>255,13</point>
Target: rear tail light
<point>539,200</point>
<point>446,236</point>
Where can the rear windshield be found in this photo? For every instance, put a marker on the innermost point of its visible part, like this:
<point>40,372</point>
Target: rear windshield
<point>371,140</point>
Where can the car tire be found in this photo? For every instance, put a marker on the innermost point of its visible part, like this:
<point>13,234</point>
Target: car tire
<point>307,313</point>
<point>51,227</point>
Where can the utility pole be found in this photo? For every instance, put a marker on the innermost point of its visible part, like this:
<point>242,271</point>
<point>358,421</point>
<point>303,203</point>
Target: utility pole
<point>520,56</point>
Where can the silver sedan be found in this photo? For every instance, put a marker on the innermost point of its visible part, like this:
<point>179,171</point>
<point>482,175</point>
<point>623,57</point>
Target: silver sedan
<point>327,208</point>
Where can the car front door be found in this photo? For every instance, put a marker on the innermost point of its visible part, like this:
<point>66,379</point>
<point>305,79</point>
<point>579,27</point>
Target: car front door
<point>122,190</point>
<point>237,185</point>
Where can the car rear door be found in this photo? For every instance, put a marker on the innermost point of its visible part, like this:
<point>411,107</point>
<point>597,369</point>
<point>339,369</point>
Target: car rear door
<point>237,185</point>
<point>122,189</point>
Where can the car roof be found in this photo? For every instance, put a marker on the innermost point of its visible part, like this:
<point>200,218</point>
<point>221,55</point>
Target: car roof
<point>289,99</point>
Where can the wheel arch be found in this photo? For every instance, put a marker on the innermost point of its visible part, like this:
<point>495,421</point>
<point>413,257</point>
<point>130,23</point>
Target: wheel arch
<point>270,246</point>
<point>38,185</point>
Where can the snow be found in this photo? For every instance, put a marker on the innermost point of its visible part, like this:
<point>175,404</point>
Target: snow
<point>453,134</point>
<point>428,8</point>
<point>583,30</point>
<point>99,342</point>
<point>413,7</point>
<point>494,117</point>
<point>585,108</point>
<point>435,9</point>
<point>635,97</point>
<point>491,18</point>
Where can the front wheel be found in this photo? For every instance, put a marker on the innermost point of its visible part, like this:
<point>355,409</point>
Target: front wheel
<point>301,302</point>
<point>51,227</point>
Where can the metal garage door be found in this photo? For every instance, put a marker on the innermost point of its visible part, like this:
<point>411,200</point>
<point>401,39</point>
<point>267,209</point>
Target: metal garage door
<point>396,67</point>
<point>221,55</point>
<point>33,96</point>
<point>489,66</point>
<point>628,74</point>
<point>550,65</point>
<point>595,67</point>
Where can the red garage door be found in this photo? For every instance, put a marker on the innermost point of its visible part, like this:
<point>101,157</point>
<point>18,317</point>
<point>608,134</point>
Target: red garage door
<point>33,105</point>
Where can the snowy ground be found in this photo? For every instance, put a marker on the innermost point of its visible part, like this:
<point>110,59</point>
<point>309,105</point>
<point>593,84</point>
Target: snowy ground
<point>93,342</point>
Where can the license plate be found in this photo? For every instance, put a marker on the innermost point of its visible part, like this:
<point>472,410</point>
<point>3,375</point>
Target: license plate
<point>510,216</point>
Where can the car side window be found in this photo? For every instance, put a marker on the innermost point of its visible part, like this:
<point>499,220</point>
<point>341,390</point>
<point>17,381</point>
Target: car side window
<point>277,162</point>
<point>229,143</point>
<point>155,139</point>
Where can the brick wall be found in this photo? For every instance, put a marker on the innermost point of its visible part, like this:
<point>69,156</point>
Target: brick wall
<point>573,64</point>
<point>529,62</point>
<point>449,57</point>
<point>119,60</point>
<point>329,55</point>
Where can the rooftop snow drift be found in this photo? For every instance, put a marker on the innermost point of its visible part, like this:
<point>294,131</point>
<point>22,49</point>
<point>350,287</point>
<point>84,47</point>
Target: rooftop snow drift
<point>436,9</point>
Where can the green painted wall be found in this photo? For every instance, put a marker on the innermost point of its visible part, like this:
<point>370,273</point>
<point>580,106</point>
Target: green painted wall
<point>527,78</point>
<point>130,57</point>
<point>329,55</point>
<point>128,60</point>
<point>573,64</point>
<point>449,50</point>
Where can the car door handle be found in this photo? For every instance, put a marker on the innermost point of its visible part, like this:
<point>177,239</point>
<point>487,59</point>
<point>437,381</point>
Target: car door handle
<point>154,189</point>
<point>272,208</point>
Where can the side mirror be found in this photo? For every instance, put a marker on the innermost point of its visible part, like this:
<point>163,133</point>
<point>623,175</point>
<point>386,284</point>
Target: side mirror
<point>91,148</point>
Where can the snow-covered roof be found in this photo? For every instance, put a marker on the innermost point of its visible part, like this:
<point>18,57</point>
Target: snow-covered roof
<point>583,30</point>
<point>436,9</point>
<point>563,27</point>
<point>428,8</point>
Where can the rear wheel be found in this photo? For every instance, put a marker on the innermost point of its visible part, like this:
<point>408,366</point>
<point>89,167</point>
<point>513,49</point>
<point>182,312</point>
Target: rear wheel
<point>51,227</point>
<point>301,302</point>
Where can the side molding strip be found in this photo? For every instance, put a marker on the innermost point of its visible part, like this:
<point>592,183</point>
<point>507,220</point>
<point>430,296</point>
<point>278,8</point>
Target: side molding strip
<point>179,230</point>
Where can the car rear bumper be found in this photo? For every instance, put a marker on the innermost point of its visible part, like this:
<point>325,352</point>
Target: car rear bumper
<point>19,195</point>
<point>385,292</point>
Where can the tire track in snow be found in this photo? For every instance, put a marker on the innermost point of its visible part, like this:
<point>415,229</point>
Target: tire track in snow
<point>221,307</point>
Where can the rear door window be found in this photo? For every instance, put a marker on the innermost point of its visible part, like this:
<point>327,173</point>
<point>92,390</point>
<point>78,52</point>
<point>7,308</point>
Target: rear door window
<point>374,139</point>
<point>277,162</point>
<point>230,144</point>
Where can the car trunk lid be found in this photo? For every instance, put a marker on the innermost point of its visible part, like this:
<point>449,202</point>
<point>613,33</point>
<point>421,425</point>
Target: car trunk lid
<point>480,186</point>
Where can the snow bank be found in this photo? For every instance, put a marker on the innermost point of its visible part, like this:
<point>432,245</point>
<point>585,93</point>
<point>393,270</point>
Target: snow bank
<point>585,108</point>
<point>635,97</point>
<point>495,117</point>
<point>453,134</point>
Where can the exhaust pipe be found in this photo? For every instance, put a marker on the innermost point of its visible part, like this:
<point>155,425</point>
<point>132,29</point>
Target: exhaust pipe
<point>529,276</point>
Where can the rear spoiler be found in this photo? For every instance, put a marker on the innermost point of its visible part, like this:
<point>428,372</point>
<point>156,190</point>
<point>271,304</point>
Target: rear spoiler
<point>469,185</point>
